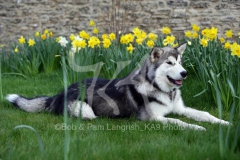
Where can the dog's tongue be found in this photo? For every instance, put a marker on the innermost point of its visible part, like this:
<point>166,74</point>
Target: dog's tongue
<point>178,82</point>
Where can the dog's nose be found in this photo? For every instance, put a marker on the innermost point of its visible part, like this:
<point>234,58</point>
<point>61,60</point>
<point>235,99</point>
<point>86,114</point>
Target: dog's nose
<point>184,74</point>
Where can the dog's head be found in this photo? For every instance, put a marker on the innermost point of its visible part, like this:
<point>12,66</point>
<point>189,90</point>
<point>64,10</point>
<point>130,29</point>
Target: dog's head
<point>165,67</point>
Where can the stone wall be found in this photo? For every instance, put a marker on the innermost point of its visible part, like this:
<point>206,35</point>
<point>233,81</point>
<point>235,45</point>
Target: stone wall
<point>25,17</point>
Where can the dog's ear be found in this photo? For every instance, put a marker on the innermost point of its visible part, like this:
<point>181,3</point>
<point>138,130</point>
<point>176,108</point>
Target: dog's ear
<point>181,48</point>
<point>155,54</point>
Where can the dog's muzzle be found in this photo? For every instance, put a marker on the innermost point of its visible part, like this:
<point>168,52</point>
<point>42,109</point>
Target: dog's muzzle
<point>178,82</point>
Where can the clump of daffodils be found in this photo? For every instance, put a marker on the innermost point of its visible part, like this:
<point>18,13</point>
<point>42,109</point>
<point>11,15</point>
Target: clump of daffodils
<point>137,37</point>
<point>211,34</point>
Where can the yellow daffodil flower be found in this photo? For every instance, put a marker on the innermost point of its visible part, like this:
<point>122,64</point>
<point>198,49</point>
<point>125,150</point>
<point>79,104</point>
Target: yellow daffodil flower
<point>31,42</point>
<point>152,36</point>
<point>204,42</point>
<point>43,36</point>
<point>91,23</point>
<point>16,50</point>
<point>104,36</point>
<point>168,40</point>
<point>188,34</point>
<point>112,36</point>
<point>166,30</point>
<point>150,43</point>
<point>46,32</point>
<point>229,33</point>
<point>130,48</point>
<point>195,35</point>
<point>83,34</point>
<point>227,45</point>
<point>235,48</point>
<point>21,40</point>
<point>95,30</point>
<point>71,37</point>
<point>222,40</point>
<point>106,43</point>
<point>195,27</point>
<point>37,34</point>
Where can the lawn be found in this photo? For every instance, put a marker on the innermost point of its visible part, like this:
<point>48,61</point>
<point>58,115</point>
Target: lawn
<point>104,138</point>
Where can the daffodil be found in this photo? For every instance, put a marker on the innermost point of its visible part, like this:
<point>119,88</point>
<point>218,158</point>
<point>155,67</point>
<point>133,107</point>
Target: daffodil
<point>71,37</point>
<point>112,36</point>
<point>139,41</point>
<point>195,27</point>
<point>83,44</point>
<point>50,34</point>
<point>21,40</point>
<point>137,31</point>
<point>205,32</point>
<point>204,42</point>
<point>194,35</point>
<point>79,43</point>
<point>212,34</point>
<point>169,40</point>
<point>227,45</point>
<point>77,38</point>
<point>229,33</point>
<point>175,45</point>
<point>16,49</point>
<point>222,40</point>
<point>235,48</point>
<point>91,23</point>
<point>123,39</point>
<point>166,30</point>
<point>130,48</point>
<point>43,36</point>
<point>106,43</point>
<point>58,38</point>
<point>95,30</point>
<point>37,34</point>
<point>152,36</point>
<point>83,34</point>
<point>63,41</point>
<point>31,42</point>
<point>93,41</point>
<point>188,34</point>
<point>46,32</point>
<point>150,43</point>
<point>104,36</point>
<point>128,38</point>
<point>143,35</point>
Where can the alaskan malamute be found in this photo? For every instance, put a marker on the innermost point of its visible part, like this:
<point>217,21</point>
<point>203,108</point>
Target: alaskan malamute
<point>149,93</point>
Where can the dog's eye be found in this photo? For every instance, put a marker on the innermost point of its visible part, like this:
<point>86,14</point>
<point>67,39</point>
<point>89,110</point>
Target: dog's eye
<point>170,63</point>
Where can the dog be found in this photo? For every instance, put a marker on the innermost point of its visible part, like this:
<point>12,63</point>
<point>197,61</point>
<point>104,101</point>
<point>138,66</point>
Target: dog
<point>149,93</point>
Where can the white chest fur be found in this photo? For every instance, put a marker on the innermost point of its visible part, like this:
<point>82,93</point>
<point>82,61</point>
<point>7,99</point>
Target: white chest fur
<point>164,105</point>
<point>165,102</point>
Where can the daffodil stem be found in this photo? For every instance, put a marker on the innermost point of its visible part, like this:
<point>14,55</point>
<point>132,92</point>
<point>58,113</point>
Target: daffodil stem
<point>1,95</point>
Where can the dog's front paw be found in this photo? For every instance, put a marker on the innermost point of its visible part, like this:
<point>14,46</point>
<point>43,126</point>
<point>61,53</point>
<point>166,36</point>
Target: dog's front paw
<point>196,127</point>
<point>222,122</point>
<point>200,128</point>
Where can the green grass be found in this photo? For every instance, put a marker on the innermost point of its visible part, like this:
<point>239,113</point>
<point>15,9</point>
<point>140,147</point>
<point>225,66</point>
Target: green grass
<point>97,139</point>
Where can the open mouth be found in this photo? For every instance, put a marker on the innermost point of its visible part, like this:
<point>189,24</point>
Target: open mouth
<point>176,82</point>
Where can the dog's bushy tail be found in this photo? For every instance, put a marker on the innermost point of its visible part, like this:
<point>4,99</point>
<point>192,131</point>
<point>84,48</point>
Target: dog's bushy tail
<point>53,104</point>
<point>37,104</point>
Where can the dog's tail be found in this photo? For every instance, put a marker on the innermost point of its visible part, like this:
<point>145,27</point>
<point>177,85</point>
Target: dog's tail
<point>37,104</point>
<point>53,104</point>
